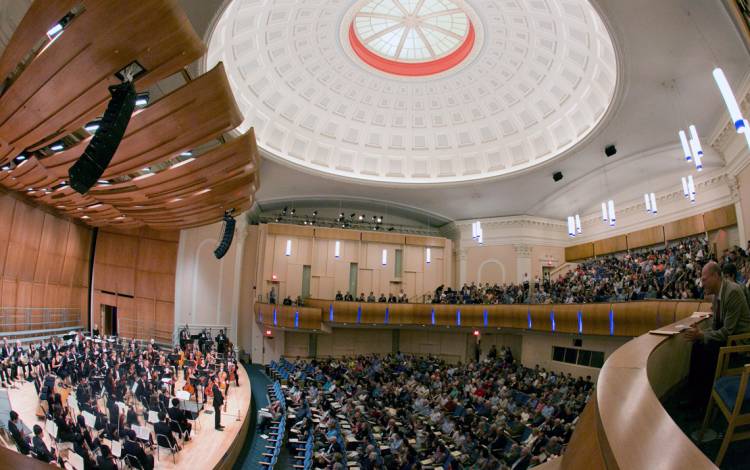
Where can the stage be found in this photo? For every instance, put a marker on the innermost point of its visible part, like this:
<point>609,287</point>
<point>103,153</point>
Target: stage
<point>207,448</point>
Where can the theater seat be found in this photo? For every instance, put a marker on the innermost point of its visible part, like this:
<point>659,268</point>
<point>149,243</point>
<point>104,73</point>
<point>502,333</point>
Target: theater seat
<point>730,391</point>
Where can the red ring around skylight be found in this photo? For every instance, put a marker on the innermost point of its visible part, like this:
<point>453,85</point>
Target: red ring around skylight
<point>412,69</point>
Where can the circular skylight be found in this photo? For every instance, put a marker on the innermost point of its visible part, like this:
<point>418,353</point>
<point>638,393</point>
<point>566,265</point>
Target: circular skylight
<point>348,88</point>
<point>411,37</point>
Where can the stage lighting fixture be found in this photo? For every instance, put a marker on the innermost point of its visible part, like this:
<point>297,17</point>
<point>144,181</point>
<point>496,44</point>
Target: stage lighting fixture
<point>341,215</point>
<point>292,211</point>
<point>283,211</point>
<point>380,219</point>
<point>352,215</point>
<point>141,100</point>
<point>362,217</point>
<point>315,213</point>
<point>92,127</point>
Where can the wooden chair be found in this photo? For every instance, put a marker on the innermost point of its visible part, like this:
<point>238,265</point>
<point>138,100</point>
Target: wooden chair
<point>731,395</point>
<point>733,339</point>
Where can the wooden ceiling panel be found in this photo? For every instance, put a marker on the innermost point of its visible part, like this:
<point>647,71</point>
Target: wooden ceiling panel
<point>183,195</point>
<point>66,84</point>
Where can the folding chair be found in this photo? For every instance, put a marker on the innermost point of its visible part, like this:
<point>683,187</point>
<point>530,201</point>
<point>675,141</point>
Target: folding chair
<point>163,442</point>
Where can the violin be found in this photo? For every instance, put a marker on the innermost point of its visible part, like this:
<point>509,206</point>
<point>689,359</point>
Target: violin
<point>232,372</point>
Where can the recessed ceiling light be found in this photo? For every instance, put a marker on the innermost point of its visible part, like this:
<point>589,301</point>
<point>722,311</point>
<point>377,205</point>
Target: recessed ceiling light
<point>55,30</point>
<point>57,147</point>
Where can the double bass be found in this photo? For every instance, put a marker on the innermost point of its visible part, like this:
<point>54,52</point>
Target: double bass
<point>188,387</point>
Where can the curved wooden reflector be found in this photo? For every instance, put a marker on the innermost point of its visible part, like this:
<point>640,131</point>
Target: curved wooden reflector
<point>66,85</point>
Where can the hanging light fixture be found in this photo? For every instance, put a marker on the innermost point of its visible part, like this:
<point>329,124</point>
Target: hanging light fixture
<point>571,226</point>
<point>611,212</point>
<point>685,146</point>
<point>698,159</point>
<point>578,224</point>
<point>698,150</point>
<point>647,200</point>
<point>730,100</point>
<point>654,210</point>
<point>604,211</point>
<point>685,190</point>
<point>691,188</point>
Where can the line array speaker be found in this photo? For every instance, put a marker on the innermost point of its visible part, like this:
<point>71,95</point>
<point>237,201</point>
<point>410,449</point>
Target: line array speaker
<point>90,167</point>
<point>226,237</point>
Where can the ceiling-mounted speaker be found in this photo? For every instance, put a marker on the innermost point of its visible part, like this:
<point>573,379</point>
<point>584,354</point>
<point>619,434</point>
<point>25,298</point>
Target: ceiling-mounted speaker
<point>557,176</point>
<point>90,167</point>
<point>610,150</point>
<point>226,236</point>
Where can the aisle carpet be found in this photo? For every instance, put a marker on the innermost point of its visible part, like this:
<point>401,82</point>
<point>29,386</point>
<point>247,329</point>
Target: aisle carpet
<point>253,448</point>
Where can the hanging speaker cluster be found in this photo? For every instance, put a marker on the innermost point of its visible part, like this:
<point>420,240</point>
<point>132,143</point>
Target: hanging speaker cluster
<point>227,235</point>
<point>89,168</point>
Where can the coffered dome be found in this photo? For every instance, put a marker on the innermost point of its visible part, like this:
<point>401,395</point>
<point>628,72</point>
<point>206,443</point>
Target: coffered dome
<point>417,91</point>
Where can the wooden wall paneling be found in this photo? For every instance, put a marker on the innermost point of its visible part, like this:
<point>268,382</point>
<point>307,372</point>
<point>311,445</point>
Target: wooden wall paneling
<point>291,230</point>
<point>685,308</point>
<point>704,307</point>
<point>379,237</point>
<point>596,319</point>
<point>164,315</point>
<point>579,252</point>
<point>7,208</point>
<point>610,245</point>
<point>720,218</point>
<point>566,318</point>
<point>684,227</point>
<point>66,85</point>
<point>540,318</point>
<point>52,249</point>
<point>336,234</point>
<point>345,312</point>
<point>633,318</point>
<point>646,237</point>
<point>425,241</point>
<point>665,313</point>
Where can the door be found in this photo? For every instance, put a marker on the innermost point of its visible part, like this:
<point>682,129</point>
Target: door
<point>306,272</point>
<point>109,320</point>
<point>353,270</point>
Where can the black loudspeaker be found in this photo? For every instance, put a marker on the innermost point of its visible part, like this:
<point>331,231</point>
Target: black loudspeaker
<point>89,168</point>
<point>226,237</point>
<point>610,150</point>
<point>577,343</point>
<point>557,176</point>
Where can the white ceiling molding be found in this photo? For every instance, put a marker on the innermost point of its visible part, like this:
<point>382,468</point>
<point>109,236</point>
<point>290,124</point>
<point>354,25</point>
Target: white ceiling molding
<point>541,82</point>
<point>515,230</point>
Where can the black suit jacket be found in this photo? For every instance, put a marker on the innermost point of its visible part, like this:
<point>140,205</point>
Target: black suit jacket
<point>132,448</point>
<point>42,453</point>
<point>218,397</point>
<point>163,428</point>
<point>23,446</point>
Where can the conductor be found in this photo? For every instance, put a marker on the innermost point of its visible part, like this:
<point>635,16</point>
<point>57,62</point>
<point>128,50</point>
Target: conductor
<point>221,341</point>
<point>218,401</point>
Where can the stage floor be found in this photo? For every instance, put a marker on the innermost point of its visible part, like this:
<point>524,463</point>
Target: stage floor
<point>207,446</point>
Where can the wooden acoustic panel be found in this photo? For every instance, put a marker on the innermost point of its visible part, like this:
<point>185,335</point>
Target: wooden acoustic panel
<point>684,227</point>
<point>720,218</point>
<point>81,62</point>
<point>336,234</point>
<point>66,84</point>
<point>610,245</point>
<point>646,237</point>
<point>579,252</point>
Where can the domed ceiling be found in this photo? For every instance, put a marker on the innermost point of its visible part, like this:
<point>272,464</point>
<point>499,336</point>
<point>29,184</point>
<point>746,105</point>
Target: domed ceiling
<point>416,91</point>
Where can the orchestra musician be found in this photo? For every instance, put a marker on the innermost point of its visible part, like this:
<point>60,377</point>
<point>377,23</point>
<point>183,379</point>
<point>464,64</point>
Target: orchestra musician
<point>22,442</point>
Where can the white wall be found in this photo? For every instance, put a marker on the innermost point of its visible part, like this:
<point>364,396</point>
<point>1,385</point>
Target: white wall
<point>207,290</point>
<point>537,349</point>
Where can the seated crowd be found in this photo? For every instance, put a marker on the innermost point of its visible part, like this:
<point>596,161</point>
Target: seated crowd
<point>654,273</point>
<point>405,412</point>
<point>118,383</point>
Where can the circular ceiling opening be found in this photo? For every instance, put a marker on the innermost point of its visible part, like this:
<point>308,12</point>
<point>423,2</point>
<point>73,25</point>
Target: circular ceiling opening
<point>411,38</point>
<point>416,91</point>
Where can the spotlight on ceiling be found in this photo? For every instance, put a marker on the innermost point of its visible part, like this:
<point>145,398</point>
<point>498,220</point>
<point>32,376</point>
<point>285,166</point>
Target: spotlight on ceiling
<point>390,229</point>
<point>278,219</point>
<point>361,217</point>
<point>283,211</point>
<point>352,215</point>
<point>56,147</point>
<point>54,30</point>
<point>292,211</point>
<point>142,99</point>
<point>341,215</point>
<point>380,219</point>
<point>20,158</point>
<point>92,126</point>
<point>315,213</point>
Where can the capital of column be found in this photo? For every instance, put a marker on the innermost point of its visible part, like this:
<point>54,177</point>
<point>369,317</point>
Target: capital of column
<point>522,251</point>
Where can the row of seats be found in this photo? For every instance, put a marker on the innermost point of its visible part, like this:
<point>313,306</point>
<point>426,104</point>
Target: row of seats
<point>278,428</point>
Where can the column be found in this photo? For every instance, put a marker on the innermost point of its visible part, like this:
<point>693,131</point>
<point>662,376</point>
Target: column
<point>463,255</point>
<point>523,262</point>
